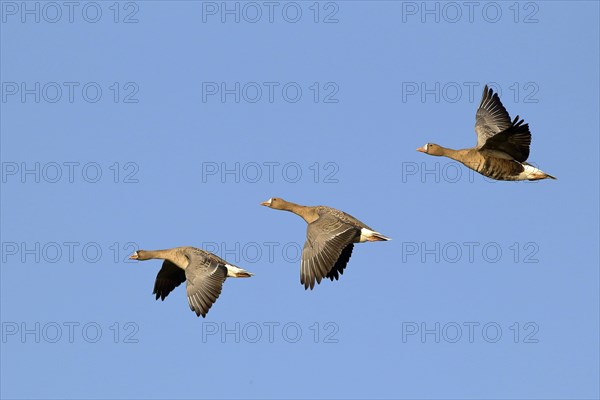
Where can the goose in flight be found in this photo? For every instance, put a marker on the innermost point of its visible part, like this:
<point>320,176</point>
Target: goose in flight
<point>330,238</point>
<point>502,145</point>
<point>203,272</point>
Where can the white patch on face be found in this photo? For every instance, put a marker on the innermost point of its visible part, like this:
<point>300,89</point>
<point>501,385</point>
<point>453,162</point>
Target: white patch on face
<point>270,201</point>
<point>426,147</point>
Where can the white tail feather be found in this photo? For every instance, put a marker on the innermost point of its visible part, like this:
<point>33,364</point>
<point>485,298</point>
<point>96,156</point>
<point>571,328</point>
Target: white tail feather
<point>235,272</point>
<point>367,235</point>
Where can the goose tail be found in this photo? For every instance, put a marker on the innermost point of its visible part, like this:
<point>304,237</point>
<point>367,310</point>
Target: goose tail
<point>367,235</point>
<point>532,173</point>
<point>541,175</point>
<point>235,272</point>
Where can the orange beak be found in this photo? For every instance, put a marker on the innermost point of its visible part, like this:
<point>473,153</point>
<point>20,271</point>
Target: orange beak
<point>265,203</point>
<point>422,149</point>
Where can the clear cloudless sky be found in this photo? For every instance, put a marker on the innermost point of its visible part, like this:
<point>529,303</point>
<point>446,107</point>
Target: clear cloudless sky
<point>119,118</point>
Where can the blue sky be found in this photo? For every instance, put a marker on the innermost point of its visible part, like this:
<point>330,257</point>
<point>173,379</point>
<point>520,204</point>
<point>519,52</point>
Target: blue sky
<point>157,124</point>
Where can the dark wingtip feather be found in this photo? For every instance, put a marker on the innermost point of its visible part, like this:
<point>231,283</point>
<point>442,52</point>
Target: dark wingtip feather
<point>487,92</point>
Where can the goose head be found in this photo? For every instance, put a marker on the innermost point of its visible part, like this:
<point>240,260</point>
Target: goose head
<point>276,203</point>
<point>432,149</point>
<point>140,255</point>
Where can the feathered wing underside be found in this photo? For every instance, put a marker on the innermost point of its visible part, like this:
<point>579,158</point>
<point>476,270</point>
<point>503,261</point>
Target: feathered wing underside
<point>340,265</point>
<point>491,117</point>
<point>326,239</point>
<point>496,133</point>
<point>514,141</point>
<point>169,277</point>
<point>205,279</point>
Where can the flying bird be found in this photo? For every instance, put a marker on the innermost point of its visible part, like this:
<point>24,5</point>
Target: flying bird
<point>330,238</point>
<point>203,272</point>
<point>502,145</point>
